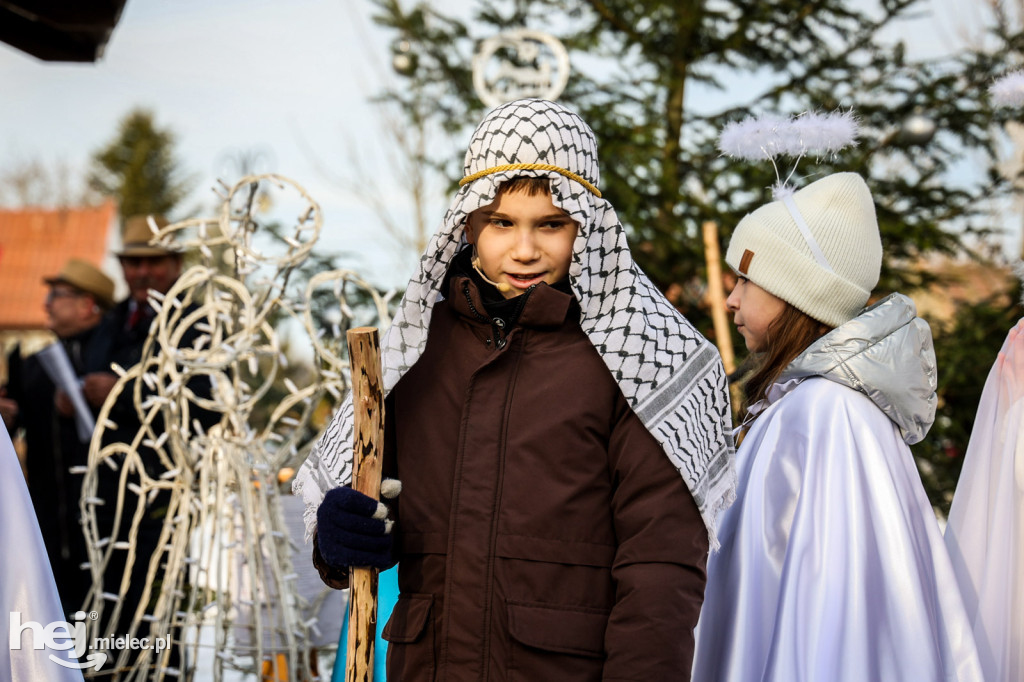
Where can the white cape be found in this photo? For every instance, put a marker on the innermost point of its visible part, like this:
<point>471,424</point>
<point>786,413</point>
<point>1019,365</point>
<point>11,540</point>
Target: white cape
<point>27,589</point>
<point>832,565</point>
<point>985,533</point>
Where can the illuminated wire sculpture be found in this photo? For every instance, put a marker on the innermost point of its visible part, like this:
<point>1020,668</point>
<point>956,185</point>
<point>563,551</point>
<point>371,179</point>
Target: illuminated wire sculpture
<point>224,559</point>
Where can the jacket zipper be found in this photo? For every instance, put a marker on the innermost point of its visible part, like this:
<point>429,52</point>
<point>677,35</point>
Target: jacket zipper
<point>498,326</point>
<point>496,506</point>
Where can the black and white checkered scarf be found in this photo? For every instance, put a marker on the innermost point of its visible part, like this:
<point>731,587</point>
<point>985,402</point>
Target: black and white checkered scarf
<point>669,373</point>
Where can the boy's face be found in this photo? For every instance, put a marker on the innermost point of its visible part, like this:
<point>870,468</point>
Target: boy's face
<point>521,240</point>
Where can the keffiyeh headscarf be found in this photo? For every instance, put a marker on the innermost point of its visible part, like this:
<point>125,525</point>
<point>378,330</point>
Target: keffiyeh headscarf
<point>669,373</point>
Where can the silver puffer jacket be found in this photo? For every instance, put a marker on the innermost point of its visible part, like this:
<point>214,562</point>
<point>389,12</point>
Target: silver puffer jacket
<point>885,353</point>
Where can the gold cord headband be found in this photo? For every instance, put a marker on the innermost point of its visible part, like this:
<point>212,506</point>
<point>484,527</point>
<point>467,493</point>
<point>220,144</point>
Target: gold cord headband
<point>532,166</point>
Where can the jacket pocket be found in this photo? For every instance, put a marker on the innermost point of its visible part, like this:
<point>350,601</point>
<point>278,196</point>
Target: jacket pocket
<point>410,636</point>
<point>556,642</point>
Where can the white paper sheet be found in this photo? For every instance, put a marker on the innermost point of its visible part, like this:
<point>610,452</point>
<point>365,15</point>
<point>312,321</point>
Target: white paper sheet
<point>58,367</point>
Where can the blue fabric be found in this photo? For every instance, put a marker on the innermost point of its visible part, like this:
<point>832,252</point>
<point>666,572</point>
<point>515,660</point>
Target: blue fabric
<point>387,596</point>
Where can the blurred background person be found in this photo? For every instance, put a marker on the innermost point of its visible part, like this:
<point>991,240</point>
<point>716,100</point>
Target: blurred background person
<point>126,326</point>
<point>75,304</point>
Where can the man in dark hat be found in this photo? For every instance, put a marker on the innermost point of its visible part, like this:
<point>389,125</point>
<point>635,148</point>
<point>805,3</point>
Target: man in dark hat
<point>75,303</point>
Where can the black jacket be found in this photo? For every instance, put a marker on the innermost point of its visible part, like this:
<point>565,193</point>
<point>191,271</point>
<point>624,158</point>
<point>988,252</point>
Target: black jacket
<point>52,449</point>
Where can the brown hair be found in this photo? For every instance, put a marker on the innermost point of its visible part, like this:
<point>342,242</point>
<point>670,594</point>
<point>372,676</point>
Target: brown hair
<point>529,185</point>
<point>787,336</point>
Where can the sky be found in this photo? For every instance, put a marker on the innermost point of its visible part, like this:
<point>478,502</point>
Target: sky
<point>287,81</point>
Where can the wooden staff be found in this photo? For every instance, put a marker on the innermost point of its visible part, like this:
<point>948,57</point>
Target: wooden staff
<point>368,404</point>
<point>716,296</point>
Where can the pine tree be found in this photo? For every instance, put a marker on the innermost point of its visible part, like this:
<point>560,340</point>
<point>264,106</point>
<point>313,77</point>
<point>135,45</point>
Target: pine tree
<point>139,168</point>
<point>647,63</point>
<point>649,77</point>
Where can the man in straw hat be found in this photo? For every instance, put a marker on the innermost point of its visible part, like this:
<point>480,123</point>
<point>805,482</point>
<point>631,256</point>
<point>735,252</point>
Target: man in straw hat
<point>75,303</point>
<point>145,266</point>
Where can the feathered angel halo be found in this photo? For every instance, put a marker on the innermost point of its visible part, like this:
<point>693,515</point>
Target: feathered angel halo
<point>1008,91</point>
<point>768,137</point>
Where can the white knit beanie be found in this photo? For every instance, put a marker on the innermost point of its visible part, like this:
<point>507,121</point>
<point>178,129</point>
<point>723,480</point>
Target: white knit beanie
<point>828,272</point>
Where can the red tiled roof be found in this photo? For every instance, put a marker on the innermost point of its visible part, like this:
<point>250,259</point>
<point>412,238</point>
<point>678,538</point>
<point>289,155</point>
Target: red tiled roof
<point>36,243</point>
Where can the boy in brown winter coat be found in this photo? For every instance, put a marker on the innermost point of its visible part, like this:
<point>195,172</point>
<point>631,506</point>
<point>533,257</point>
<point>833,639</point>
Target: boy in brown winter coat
<point>560,430</point>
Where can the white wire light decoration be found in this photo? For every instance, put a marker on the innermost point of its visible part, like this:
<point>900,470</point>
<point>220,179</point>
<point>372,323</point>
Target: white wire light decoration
<point>520,63</point>
<point>771,137</point>
<point>225,553</point>
<point>1008,90</point>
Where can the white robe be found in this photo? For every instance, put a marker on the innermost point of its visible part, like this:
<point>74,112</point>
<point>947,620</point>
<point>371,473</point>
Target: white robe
<point>832,566</point>
<point>985,533</point>
<point>26,581</point>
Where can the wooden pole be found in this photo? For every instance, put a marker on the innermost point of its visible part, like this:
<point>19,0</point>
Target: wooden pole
<point>716,297</point>
<point>368,404</point>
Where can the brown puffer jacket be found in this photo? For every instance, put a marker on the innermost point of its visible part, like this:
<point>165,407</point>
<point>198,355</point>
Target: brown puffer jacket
<point>542,534</point>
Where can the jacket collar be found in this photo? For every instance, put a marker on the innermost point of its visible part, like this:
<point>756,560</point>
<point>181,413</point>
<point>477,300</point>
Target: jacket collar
<point>541,307</point>
<point>886,353</point>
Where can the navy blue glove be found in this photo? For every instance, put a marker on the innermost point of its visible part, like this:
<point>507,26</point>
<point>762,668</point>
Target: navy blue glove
<point>352,529</point>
